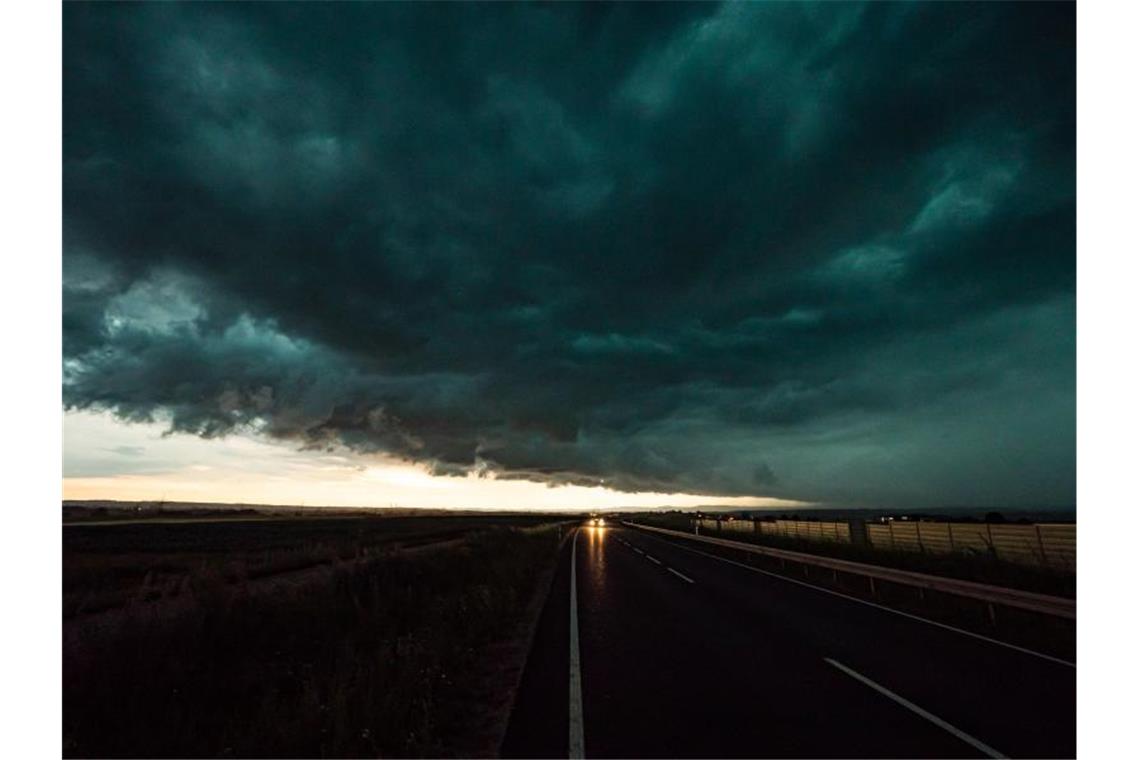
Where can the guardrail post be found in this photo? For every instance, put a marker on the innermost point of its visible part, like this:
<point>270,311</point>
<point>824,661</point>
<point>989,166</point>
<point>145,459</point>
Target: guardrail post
<point>874,593</point>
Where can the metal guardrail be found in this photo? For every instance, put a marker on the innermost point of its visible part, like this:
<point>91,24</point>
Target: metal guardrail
<point>1026,600</point>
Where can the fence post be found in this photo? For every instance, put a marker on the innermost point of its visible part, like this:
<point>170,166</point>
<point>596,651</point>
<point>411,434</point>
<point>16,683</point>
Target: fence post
<point>891,530</point>
<point>950,533</point>
<point>1041,543</point>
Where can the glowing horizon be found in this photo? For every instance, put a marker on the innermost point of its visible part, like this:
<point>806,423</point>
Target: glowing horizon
<point>110,460</point>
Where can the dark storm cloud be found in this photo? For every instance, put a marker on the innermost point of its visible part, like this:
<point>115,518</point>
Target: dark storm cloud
<point>824,252</point>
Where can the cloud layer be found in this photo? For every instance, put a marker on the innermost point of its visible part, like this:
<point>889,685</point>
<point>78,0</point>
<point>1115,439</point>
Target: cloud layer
<point>818,252</point>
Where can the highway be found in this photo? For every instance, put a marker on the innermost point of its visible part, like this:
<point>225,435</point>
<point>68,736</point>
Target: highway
<point>667,651</point>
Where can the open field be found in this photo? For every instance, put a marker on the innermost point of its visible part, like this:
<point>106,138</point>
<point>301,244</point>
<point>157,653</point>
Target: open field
<point>110,565</point>
<point>300,637</point>
<point>105,511</point>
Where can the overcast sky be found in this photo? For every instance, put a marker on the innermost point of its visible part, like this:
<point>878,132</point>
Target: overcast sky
<point>812,252</point>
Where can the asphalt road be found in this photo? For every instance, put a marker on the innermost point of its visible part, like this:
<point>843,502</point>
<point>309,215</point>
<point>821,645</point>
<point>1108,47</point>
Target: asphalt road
<point>683,654</point>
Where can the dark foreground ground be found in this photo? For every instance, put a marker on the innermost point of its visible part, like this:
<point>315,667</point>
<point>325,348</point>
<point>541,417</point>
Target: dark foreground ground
<point>401,636</point>
<point>297,637</point>
<point>686,655</point>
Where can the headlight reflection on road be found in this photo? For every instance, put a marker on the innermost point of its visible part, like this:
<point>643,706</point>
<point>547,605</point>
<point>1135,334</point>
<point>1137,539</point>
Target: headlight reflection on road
<point>595,551</point>
<point>595,530</point>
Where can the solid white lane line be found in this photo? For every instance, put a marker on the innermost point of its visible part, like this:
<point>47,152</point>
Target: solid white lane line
<point>577,746</point>
<point>651,558</point>
<point>680,575</point>
<point>976,744</point>
<point>962,631</point>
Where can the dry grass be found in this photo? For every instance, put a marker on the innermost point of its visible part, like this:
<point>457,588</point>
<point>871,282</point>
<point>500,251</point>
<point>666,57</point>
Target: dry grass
<point>113,566</point>
<point>379,657</point>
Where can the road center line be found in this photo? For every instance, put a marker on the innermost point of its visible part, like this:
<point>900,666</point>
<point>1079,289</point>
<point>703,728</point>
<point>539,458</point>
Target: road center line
<point>928,621</point>
<point>680,575</point>
<point>577,746</point>
<point>976,744</point>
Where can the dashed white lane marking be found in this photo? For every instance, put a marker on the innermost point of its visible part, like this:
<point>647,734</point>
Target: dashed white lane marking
<point>891,610</point>
<point>680,575</point>
<point>638,550</point>
<point>577,746</point>
<point>976,744</point>
<point>651,558</point>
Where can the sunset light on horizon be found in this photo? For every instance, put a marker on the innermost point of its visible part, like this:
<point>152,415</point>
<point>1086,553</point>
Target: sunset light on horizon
<point>109,460</point>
